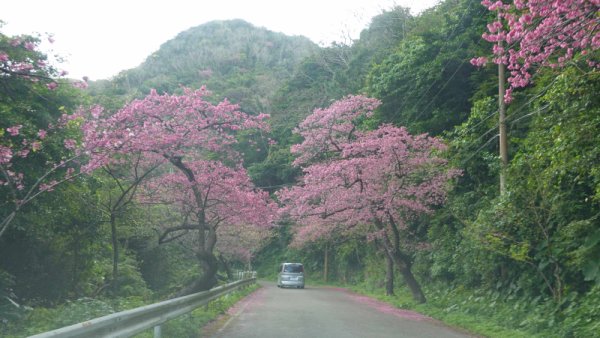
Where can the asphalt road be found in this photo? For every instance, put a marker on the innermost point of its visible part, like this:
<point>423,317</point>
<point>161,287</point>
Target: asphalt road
<point>323,312</point>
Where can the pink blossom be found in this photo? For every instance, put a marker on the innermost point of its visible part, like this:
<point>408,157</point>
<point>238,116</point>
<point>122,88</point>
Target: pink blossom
<point>80,84</point>
<point>5,154</point>
<point>14,130</point>
<point>29,45</point>
<point>42,134</point>
<point>3,57</point>
<point>48,186</point>
<point>479,62</point>
<point>70,144</point>
<point>52,85</point>
<point>544,33</point>
<point>23,152</point>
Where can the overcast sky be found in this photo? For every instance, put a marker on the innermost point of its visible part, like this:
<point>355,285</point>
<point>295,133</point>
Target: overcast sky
<point>100,38</point>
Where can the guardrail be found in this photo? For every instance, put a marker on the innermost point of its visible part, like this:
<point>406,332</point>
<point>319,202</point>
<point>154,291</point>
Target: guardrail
<point>130,322</point>
<point>245,274</point>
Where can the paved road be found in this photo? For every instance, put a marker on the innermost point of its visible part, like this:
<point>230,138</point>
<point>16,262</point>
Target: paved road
<point>324,312</point>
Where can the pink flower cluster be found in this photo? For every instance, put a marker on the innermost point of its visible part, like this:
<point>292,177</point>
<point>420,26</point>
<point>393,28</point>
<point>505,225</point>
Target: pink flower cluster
<point>23,60</point>
<point>169,125</point>
<point>545,33</point>
<point>17,145</point>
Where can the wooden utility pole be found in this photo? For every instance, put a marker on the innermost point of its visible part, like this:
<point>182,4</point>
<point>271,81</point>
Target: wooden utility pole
<point>503,142</point>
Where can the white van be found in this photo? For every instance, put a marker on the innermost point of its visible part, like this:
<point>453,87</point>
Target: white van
<point>291,275</point>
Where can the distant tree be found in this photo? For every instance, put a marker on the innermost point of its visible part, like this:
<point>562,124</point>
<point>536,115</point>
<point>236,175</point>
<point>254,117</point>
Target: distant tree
<point>205,184</point>
<point>374,182</point>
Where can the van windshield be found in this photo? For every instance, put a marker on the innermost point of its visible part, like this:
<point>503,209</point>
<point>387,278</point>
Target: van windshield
<point>293,268</point>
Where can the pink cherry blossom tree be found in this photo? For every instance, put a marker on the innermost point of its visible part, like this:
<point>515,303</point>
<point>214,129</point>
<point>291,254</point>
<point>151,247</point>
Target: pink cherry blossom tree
<point>373,182</point>
<point>23,70</point>
<point>204,184</point>
<point>541,33</point>
<point>21,59</point>
<point>17,148</point>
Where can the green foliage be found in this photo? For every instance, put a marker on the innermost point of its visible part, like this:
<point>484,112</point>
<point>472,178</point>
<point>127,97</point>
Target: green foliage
<point>167,268</point>
<point>10,310</point>
<point>546,225</point>
<point>275,252</point>
<point>276,170</point>
<point>54,242</point>
<point>41,319</point>
<point>426,83</point>
<point>72,312</point>
<point>582,315</point>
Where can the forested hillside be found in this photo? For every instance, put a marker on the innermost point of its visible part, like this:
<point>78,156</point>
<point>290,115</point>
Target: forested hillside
<point>234,59</point>
<point>379,166</point>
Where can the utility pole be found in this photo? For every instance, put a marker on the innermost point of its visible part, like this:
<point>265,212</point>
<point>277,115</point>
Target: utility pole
<point>503,142</point>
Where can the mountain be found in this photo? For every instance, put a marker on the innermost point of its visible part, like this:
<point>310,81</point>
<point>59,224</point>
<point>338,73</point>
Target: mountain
<point>233,59</point>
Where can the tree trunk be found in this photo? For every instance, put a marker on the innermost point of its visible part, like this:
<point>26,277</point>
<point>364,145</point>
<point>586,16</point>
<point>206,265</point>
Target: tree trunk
<point>402,260</point>
<point>405,269</point>
<point>326,264</point>
<point>207,236</point>
<point>207,280</point>
<point>115,247</point>
<point>389,275</point>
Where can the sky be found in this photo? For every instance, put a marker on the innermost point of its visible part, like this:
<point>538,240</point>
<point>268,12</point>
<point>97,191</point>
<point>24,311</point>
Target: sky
<point>100,38</point>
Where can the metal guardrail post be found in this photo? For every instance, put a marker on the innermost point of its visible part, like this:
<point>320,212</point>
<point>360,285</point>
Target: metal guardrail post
<point>157,331</point>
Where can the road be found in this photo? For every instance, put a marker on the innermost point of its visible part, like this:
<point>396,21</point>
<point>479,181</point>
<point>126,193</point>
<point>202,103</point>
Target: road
<point>323,312</point>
